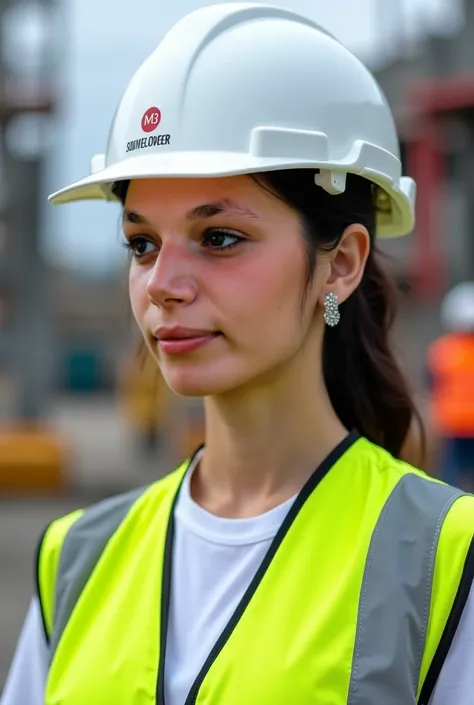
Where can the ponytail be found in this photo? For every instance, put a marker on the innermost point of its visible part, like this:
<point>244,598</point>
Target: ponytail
<point>366,386</point>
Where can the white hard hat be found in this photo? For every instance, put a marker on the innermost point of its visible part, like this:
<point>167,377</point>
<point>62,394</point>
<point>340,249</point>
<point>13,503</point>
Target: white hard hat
<point>244,88</point>
<point>457,308</point>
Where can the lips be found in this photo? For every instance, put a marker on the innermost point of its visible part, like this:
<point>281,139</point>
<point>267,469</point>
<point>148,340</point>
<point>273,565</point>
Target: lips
<point>181,333</point>
<point>178,341</point>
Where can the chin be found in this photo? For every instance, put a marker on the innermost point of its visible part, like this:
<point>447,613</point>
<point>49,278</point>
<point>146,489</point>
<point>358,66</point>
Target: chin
<point>187,382</point>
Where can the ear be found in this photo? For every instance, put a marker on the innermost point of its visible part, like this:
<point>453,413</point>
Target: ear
<point>347,262</point>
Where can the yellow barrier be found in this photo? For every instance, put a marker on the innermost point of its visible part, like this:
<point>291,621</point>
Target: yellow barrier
<point>31,460</point>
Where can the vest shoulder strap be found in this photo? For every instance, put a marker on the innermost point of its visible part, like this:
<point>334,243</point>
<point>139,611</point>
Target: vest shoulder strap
<point>67,554</point>
<point>47,560</point>
<point>71,547</point>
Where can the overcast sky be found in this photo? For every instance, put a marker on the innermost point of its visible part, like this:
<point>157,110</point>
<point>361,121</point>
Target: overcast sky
<point>105,42</point>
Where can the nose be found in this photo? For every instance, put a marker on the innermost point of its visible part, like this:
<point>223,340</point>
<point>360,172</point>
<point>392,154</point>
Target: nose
<point>170,282</point>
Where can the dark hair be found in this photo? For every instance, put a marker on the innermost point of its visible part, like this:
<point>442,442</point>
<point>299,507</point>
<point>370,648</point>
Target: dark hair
<point>365,383</point>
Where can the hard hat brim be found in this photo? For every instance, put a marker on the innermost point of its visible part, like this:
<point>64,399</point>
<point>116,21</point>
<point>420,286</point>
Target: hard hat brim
<point>167,165</point>
<point>98,186</point>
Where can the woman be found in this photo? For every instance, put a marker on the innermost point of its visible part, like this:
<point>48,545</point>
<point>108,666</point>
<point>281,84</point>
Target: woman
<point>295,558</point>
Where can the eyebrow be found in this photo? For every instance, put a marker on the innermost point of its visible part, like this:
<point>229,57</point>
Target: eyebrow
<point>207,210</point>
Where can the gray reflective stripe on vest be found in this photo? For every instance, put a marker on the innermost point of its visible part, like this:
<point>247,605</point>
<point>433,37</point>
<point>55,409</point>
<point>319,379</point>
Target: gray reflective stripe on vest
<point>396,593</point>
<point>82,548</point>
<point>395,596</point>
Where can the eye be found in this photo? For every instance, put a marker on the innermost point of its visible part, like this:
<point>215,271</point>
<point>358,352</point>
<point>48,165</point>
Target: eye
<point>221,239</point>
<point>139,246</point>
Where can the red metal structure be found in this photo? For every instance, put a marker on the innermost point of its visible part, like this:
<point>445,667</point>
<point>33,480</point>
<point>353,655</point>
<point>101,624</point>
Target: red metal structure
<point>426,162</point>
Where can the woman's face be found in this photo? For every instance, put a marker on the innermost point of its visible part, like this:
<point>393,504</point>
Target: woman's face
<point>217,278</point>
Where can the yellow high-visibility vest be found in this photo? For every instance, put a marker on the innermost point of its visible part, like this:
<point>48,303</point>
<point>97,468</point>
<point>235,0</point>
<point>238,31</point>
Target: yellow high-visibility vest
<point>355,603</point>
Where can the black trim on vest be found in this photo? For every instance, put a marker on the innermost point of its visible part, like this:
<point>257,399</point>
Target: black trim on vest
<point>37,580</point>
<point>450,628</point>
<point>166,589</point>
<point>299,502</point>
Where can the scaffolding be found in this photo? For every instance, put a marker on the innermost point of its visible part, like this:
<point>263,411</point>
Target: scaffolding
<point>26,344</point>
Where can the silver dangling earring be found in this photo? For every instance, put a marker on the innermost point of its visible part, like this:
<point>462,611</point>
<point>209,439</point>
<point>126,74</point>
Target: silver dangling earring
<point>332,315</point>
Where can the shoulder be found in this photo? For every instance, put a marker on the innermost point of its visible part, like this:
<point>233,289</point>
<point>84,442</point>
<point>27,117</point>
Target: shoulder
<point>381,463</point>
<point>380,467</point>
<point>107,510</point>
<point>427,496</point>
<point>87,531</point>
<point>53,537</point>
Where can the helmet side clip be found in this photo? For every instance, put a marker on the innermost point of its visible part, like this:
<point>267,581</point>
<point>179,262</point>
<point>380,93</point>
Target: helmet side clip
<point>333,182</point>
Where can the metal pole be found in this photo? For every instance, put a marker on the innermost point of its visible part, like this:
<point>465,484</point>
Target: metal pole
<point>32,309</point>
<point>3,181</point>
<point>26,342</point>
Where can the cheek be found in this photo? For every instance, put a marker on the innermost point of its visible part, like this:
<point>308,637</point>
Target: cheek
<point>266,293</point>
<point>137,283</point>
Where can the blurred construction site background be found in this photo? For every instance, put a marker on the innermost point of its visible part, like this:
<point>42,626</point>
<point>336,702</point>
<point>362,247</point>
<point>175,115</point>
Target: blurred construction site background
<point>79,418</point>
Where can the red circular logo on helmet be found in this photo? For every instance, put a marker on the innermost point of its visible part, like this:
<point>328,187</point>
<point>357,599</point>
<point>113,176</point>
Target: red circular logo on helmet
<point>151,119</point>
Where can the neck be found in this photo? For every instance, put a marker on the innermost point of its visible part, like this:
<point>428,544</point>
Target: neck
<point>263,444</point>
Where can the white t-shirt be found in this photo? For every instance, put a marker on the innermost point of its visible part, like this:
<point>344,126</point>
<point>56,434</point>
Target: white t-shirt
<point>218,557</point>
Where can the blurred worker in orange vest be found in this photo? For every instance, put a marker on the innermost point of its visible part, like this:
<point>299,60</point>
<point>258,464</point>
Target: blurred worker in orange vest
<point>451,370</point>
